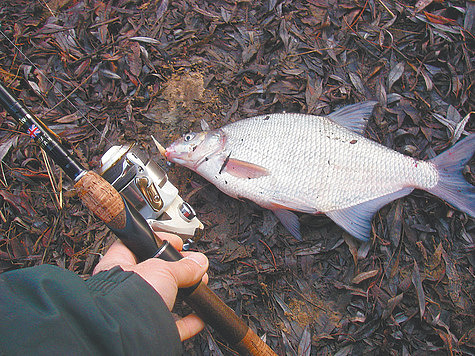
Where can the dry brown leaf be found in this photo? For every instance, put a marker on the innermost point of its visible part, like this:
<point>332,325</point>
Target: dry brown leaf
<point>422,4</point>
<point>364,276</point>
<point>417,281</point>
<point>395,73</point>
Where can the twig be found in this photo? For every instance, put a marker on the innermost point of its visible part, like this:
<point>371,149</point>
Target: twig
<point>47,6</point>
<point>272,254</point>
<point>387,9</point>
<point>59,197</point>
<point>65,98</point>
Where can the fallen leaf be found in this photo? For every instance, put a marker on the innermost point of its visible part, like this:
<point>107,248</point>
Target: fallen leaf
<point>146,40</point>
<point>392,303</point>
<point>364,275</point>
<point>437,19</point>
<point>5,146</point>
<point>395,73</point>
<point>417,281</point>
<point>455,284</point>
<point>305,345</point>
<point>422,4</point>
<point>134,60</point>
<point>357,82</point>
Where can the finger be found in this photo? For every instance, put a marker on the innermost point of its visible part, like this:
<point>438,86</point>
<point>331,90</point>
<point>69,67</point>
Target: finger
<point>205,278</point>
<point>189,326</point>
<point>118,254</point>
<point>174,240</point>
<point>190,269</point>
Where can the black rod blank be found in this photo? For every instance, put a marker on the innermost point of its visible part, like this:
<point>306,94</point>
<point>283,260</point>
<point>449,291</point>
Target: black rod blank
<point>38,131</point>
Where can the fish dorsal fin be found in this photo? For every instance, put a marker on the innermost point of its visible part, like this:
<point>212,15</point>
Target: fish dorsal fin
<point>353,117</point>
<point>204,125</point>
<point>242,169</point>
<point>356,220</point>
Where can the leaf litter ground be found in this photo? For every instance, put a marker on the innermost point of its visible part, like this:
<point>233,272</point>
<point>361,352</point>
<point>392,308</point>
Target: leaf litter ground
<point>133,68</point>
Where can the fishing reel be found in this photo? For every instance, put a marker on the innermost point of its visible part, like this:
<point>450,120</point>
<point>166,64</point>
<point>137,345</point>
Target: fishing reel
<point>145,185</point>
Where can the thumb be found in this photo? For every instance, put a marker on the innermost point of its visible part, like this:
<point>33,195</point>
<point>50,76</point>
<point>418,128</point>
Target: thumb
<point>190,269</point>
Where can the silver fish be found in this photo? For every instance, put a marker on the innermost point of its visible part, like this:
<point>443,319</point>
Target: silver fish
<point>315,164</point>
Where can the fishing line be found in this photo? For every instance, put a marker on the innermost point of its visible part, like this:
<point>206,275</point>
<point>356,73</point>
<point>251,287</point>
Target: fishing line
<point>65,98</point>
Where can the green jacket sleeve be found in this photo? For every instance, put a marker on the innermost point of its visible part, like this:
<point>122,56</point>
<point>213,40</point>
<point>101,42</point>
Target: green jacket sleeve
<point>49,310</point>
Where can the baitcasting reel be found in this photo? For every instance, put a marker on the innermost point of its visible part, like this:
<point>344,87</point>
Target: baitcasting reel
<point>145,185</point>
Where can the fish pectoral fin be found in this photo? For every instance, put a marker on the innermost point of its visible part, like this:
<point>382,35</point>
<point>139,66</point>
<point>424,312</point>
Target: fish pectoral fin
<point>242,169</point>
<point>290,222</point>
<point>356,220</point>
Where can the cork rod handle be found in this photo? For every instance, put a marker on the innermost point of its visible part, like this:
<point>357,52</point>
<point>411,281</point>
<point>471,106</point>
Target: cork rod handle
<point>127,223</point>
<point>107,204</point>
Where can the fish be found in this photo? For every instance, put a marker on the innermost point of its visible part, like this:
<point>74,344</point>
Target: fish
<point>292,162</point>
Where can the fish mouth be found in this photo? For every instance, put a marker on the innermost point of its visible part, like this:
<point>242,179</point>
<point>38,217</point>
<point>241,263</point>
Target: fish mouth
<point>174,157</point>
<point>169,154</point>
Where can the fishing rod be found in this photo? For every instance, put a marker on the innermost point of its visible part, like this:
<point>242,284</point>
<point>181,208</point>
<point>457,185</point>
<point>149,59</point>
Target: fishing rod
<point>125,221</point>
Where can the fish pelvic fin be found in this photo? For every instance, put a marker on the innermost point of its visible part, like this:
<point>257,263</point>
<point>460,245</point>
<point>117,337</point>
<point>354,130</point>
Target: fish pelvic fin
<point>356,220</point>
<point>290,221</point>
<point>452,185</point>
<point>242,169</point>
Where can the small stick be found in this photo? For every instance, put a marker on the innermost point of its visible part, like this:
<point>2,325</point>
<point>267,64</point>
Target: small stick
<point>387,9</point>
<point>57,193</point>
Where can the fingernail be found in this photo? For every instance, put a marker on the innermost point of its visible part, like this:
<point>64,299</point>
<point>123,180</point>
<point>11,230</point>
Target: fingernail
<point>198,258</point>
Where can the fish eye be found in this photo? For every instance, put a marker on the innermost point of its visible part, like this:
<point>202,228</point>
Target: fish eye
<point>189,136</point>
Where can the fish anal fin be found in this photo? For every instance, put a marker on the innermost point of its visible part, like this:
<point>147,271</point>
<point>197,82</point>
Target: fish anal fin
<point>290,221</point>
<point>356,220</point>
<point>242,169</point>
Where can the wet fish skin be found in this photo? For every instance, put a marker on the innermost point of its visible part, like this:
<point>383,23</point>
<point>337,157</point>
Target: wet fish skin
<point>316,164</point>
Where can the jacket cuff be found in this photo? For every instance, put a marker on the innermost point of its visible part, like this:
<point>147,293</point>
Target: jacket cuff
<point>137,310</point>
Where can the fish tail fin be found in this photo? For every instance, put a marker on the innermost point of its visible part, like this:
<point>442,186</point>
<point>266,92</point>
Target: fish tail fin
<point>452,185</point>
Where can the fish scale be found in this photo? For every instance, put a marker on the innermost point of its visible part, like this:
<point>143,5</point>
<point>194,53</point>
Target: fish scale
<point>338,168</point>
<point>312,164</point>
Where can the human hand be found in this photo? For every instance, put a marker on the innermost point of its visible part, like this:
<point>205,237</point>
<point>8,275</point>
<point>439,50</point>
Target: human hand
<point>165,277</point>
